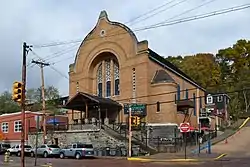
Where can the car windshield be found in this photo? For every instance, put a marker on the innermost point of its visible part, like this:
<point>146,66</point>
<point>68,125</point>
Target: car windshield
<point>26,146</point>
<point>6,145</point>
<point>53,146</point>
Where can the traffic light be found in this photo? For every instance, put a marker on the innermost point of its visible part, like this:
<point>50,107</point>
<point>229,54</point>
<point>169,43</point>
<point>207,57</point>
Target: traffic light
<point>138,121</point>
<point>17,92</point>
<point>135,120</point>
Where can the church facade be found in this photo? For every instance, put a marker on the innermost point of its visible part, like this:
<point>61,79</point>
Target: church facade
<point>111,65</point>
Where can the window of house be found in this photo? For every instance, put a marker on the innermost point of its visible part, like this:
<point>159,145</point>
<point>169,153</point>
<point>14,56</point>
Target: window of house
<point>209,99</point>
<point>17,126</point>
<point>178,92</point>
<point>200,101</point>
<point>186,94</point>
<point>219,98</point>
<point>5,127</point>
<point>194,99</point>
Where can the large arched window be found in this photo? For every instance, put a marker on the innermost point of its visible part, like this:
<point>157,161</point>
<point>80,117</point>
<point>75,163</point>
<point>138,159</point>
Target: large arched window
<point>108,80</point>
<point>116,79</point>
<point>99,80</point>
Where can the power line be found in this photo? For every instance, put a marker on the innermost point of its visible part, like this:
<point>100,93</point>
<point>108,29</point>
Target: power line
<point>187,11</point>
<point>196,17</point>
<point>163,10</point>
<point>173,22</point>
<point>140,97</point>
<point>61,52</point>
<point>136,18</point>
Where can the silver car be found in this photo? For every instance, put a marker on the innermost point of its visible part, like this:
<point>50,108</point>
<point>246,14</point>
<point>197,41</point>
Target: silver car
<point>47,151</point>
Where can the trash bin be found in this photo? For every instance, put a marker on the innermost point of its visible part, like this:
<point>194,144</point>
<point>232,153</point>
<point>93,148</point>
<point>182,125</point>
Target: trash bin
<point>96,152</point>
<point>112,151</point>
<point>107,151</point>
<point>135,151</point>
<point>118,151</point>
<point>123,151</point>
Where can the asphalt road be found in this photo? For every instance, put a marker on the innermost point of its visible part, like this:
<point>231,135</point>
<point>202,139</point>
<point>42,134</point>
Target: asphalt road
<point>225,162</point>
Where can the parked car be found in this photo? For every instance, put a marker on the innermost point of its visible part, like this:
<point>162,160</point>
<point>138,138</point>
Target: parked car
<point>78,151</point>
<point>47,151</point>
<point>16,150</point>
<point>4,147</point>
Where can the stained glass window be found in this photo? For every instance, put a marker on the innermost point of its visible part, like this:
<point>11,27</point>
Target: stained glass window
<point>116,79</point>
<point>108,78</point>
<point>99,81</point>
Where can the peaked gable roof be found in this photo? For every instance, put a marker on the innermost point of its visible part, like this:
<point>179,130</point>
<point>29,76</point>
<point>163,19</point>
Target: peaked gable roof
<point>171,67</point>
<point>162,76</point>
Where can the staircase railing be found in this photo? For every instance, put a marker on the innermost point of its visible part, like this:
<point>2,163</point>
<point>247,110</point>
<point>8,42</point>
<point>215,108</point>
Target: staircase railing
<point>123,134</point>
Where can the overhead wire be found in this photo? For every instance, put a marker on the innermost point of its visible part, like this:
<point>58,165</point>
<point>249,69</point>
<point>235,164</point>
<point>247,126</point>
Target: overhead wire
<point>185,12</point>
<point>173,22</point>
<point>163,10</point>
<point>153,26</point>
<point>132,20</point>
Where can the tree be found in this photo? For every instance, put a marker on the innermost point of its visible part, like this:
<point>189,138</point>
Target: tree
<point>235,72</point>
<point>51,96</point>
<point>7,105</point>
<point>201,67</point>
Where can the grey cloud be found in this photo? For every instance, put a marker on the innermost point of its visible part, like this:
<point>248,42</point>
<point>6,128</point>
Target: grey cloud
<point>44,21</point>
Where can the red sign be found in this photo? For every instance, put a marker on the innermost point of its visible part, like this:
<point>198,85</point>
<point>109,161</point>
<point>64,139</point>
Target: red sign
<point>184,127</point>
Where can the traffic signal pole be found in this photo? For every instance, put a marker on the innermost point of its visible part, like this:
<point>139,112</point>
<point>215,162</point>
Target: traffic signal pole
<point>23,103</point>
<point>129,132</point>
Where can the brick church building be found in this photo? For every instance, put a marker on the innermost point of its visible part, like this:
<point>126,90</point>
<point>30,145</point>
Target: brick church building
<point>113,70</point>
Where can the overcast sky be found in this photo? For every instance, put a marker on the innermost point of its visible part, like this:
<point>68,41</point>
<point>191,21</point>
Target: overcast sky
<point>46,21</point>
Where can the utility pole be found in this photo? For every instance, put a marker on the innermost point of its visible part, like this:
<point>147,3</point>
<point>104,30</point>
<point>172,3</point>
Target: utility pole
<point>25,52</point>
<point>41,65</point>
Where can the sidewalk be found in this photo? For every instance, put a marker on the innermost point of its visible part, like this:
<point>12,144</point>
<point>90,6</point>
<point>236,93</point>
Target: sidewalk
<point>179,157</point>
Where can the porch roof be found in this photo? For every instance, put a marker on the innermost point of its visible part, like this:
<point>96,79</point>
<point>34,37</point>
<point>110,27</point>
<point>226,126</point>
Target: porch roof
<point>184,104</point>
<point>79,101</point>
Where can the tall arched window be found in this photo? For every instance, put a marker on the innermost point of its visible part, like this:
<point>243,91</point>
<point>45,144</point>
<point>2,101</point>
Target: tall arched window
<point>99,81</point>
<point>108,78</point>
<point>104,76</point>
<point>116,79</point>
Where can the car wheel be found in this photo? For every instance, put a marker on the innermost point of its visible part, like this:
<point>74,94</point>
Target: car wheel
<point>18,154</point>
<point>45,155</point>
<point>61,155</point>
<point>77,156</point>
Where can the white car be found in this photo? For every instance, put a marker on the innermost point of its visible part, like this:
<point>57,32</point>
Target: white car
<point>16,150</point>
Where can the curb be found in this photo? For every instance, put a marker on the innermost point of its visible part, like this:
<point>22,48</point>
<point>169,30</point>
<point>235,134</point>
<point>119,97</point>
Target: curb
<point>176,160</point>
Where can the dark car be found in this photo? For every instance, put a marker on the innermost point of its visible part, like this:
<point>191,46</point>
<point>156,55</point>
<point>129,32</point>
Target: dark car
<point>4,147</point>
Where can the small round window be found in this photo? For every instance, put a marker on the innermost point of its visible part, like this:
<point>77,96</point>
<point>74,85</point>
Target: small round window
<point>102,33</point>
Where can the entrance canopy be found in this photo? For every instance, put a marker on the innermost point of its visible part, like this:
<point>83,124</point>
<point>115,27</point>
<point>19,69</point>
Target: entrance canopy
<point>80,100</point>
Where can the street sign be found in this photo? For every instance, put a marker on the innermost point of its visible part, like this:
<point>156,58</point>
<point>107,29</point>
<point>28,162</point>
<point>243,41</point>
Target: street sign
<point>184,127</point>
<point>136,109</point>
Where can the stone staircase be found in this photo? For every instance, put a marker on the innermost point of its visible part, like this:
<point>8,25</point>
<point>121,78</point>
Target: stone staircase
<point>122,135</point>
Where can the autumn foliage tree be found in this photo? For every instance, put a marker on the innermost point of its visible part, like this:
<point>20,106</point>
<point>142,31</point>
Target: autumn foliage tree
<point>227,71</point>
